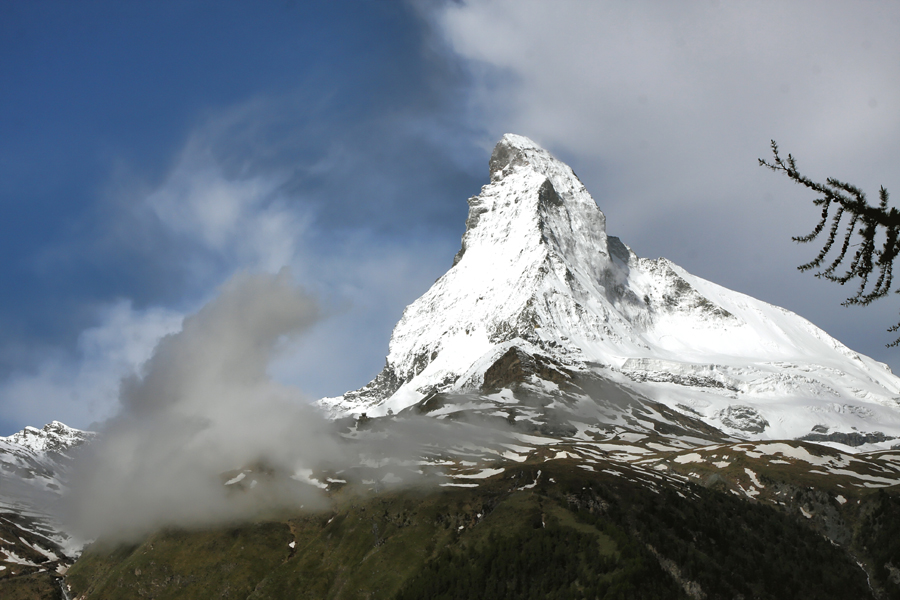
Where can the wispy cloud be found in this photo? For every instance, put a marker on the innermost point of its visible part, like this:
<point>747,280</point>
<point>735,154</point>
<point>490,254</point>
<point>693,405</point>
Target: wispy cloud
<point>245,220</point>
<point>84,387</point>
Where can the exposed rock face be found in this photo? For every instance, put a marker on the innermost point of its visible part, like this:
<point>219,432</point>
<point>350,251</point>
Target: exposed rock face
<point>743,418</point>
<point>852,438</point>
<point>517,367</point>
<point>539,291</point>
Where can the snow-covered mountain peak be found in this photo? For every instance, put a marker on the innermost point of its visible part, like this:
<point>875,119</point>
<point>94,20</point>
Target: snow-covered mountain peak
<point>35,467</point>
<point>517,151</point>
<point>53,437</point>
<point>536,272</point>
<point>530,188</point>
<point>532,235</point>
<point>539,293</point>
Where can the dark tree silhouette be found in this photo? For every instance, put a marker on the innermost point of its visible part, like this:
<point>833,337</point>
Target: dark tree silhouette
<point>874,231</point>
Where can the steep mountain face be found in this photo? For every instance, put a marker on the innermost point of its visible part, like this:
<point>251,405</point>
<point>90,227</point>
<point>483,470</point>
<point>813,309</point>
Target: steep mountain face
<point>540,299</point>
<point>34,470</point>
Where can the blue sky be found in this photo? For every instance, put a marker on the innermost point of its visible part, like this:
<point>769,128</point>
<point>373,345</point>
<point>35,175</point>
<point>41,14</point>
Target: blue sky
<point>103,94</point>
<point>148,151</point>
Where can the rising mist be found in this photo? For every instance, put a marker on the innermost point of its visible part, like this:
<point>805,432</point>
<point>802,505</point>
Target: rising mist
<point>204,406</point>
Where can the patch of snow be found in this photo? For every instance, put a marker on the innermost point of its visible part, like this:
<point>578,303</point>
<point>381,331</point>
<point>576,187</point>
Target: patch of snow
<point>516,448</point>
<point>480,475</point>
<point>688,458</point>
<point>504,396</point>
<point>622,449</point>
<point>750,493</point>
<point>513,456</point>
<point>237,478</point>
<point>47,553</point>
<point>534,440</point>
<point>882,481</point>
<point>304,475</point>
<point>786,450</point>
<point>753,478</point>
<point>532,484</point>
<point>663,447</point>
<point>12,557</point>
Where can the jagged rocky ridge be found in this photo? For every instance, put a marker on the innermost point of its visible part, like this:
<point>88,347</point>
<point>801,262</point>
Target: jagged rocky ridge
<point>541,300</point>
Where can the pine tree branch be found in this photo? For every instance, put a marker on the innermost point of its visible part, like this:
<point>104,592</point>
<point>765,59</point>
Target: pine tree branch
<point>877,237</point>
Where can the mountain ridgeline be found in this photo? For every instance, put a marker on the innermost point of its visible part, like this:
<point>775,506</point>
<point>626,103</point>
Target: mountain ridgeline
<point>576,422</point>
<point>540,297</point>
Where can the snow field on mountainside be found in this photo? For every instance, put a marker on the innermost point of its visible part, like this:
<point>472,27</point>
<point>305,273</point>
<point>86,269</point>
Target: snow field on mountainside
<point>537,273</point>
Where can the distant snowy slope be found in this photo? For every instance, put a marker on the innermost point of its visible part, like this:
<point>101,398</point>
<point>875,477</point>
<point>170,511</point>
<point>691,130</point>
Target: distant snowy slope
<point>537,272</point>
<point>34,471</point>
<point>34,462</point>
<point>53,437</point>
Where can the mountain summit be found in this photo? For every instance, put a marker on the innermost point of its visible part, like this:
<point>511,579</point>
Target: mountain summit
<point>539,295</point>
